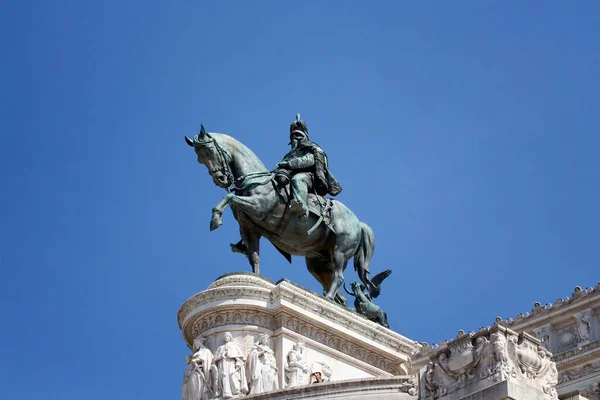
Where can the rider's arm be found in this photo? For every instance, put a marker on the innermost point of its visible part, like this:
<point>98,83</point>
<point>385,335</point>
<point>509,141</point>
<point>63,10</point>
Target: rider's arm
<point>303,162</point>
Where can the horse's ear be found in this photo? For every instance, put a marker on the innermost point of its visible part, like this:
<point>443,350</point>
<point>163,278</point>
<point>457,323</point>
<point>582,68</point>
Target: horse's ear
<point>189,141</point>
<point>202,131</point>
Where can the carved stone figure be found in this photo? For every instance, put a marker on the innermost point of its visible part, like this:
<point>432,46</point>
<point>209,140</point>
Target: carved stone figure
<point>328,238</point>
<point>298,366</point>
<point>583,328</point>
<point>364,305</point>
<point>262,367</point>
<point>306,164</point>
<point>543,333</point>
<point>197,376</point>
<point>229,362</point>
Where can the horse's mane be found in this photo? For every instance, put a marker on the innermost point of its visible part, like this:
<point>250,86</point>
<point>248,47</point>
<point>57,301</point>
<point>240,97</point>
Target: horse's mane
<point>241,149</point>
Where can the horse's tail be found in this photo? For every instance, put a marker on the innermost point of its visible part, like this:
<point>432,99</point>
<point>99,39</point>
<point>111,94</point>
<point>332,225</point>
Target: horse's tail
<point>363,255</point>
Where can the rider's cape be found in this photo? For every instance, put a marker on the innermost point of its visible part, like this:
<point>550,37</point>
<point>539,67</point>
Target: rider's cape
<point>325,182</point>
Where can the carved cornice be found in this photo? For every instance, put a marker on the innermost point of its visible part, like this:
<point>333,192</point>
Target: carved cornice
<point>578,296</point>
<point>314,303</point>
<point>320,334</point>
<point>425,350</point>
<point>242,278</point>
<point>576,352</point>
<point>373,386</point>
<point>588,369</point>
<point>231,287</point>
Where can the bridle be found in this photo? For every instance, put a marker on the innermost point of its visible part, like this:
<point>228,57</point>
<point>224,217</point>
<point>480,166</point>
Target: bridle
<point>224,167</point>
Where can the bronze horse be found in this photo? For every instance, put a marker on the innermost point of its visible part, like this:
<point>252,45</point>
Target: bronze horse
<point>261,210</point>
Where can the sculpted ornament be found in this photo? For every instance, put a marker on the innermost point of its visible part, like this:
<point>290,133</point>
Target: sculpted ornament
<point>584,327</point>
<point>197,382</point>
<point>592,392</point>
<point>230,368</point>
<point>363,303</point>
<point>543,334</point>
<point>538,309</point>
<point>587,369</point>
<point>298,368</point>
<point>494,354</point>
<point>262,367</point>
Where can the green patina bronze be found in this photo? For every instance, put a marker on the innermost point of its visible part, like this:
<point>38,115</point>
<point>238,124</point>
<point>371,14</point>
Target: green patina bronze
<point>287,206</point>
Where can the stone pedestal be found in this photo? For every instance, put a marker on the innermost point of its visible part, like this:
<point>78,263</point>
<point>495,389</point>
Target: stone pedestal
<point>339,343</point>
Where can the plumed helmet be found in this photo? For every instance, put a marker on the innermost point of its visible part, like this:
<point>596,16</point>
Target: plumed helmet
<point>298,125</point>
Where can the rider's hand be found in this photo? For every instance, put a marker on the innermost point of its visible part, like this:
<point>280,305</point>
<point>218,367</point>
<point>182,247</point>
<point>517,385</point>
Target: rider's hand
<point>283,164</point>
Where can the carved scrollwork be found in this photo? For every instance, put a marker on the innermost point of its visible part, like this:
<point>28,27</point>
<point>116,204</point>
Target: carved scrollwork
<point>221,293</point>
<point>587,369</point>
<point>242,316</point>
<point>494,355</point>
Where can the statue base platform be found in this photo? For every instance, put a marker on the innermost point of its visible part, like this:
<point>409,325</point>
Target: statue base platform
<point>358,358</point>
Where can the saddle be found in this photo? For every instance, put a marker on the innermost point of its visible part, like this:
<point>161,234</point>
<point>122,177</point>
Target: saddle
<point>318,205</point>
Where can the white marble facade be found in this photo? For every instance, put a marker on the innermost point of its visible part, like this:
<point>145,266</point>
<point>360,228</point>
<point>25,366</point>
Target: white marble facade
<point>282,340</point>
<point>570,329</point>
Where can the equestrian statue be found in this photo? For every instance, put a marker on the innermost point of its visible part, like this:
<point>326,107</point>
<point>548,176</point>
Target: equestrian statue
<point>287,206</point>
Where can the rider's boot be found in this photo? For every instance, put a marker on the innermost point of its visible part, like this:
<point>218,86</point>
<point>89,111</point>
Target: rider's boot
<point>300,193</point>
<point>239,247</point>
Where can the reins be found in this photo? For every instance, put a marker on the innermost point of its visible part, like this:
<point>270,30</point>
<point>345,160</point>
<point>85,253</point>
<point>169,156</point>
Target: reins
<point>224,167</point>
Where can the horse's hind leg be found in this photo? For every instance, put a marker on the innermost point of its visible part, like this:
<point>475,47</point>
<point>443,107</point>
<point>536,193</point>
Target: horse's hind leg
<point>337,278</point>
<point>252,241</point>
<point>382,319</point>
<point>340,299</point>
<point>321,270</point>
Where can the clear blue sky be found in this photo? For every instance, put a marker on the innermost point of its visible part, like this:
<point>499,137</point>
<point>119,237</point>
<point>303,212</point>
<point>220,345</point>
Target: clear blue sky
<point>465,133</point>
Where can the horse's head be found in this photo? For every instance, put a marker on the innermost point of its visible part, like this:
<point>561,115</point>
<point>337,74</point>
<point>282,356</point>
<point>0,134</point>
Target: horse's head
<point>211,154</point>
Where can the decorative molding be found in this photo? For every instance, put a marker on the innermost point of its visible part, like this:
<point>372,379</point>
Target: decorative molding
<point>567,338</point>
<point>319,305</point>
<point>241,315</point>
<point>572,374</point>
<point>337,342</point>
<point>576,351</point>
<point>248,287</point>
<point>388,387</point>
<point>242,278</point>
<point>578,296</point>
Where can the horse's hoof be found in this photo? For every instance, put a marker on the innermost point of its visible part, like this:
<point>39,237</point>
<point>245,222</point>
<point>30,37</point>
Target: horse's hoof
<point>215,223</point>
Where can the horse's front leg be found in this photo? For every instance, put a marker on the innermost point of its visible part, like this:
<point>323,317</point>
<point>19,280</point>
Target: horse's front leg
<point>251,205</point>
<point>216,220</point>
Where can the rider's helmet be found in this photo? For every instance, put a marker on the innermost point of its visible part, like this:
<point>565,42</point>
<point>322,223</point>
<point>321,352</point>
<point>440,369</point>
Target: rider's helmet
<point>298,128</point>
